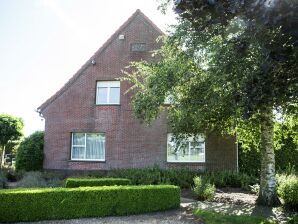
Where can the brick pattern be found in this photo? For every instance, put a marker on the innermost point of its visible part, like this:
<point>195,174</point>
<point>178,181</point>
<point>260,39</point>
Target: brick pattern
<point>129,142</point>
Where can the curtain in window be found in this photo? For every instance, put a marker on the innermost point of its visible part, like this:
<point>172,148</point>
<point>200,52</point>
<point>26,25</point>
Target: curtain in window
<point>88,146</point>
<point>95,146</point>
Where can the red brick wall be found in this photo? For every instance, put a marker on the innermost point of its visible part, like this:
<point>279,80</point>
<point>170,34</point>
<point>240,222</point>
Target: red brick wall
<point>129,142</point>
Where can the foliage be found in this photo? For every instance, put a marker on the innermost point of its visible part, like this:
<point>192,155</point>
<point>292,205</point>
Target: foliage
<point>231,179</point>
<point>36,179</point>
<point>91,182</point>
<point>203,189</point>
<point>220,218</point>
<point>285,144</point>
<point>293,219</point>
<point>11,174</point>
<point>2,180</point>
<point>225,68</point>
<point>32,179</point>
<point>30,153</point>
<point>155,175</point>
<point>11,129</point>
<point>68,203</point>
<point>288,190</point>
<point>255,188</point>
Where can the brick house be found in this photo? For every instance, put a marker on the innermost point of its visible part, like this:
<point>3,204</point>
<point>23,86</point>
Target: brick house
<point>89,124</point>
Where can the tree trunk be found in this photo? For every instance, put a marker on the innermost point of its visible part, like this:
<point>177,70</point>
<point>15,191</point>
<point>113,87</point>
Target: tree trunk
<point>267,195</point>
<point>2,157</point>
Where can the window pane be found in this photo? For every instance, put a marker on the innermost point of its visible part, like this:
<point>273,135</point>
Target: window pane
<point>114,95</point>
<point>102,95</point>
<point>189,151</point>
<point>95,146</point>
<point>105,84</point>
<point>78,152</point>
<point>139,47</point>
<point>79,139</point>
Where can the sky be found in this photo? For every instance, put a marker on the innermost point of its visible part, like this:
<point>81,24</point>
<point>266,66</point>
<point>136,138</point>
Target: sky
<point>44,42</point>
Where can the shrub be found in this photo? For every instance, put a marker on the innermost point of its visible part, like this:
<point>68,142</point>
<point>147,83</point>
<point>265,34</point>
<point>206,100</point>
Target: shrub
<point>2,180</point>
<point>90,182</point>
<point>155,175</point>
<point>30,152</point>
<point>293,219</point>
<point>231,179</point>
<point>288,190</point>
<point>203,189</point>
<point>32,179</point>
<point>66,203</point>
<point>35,179</point>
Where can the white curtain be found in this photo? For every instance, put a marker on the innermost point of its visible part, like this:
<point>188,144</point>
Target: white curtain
<point>95,146</point>
<point>93,149</point>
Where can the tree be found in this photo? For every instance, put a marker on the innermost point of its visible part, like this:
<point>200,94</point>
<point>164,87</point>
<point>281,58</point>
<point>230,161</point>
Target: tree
<point>30,152</point>
<point>11,129</point>
<point>227,65</point>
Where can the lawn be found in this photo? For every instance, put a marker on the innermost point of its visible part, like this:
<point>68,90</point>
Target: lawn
<point>209,217</point>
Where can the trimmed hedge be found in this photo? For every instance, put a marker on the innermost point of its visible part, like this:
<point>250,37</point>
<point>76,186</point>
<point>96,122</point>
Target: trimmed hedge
<point>68,203</point>
<point>91,182</point>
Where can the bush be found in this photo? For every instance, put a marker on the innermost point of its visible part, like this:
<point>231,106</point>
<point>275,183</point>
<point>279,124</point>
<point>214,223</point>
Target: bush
<point>32,179</point>
<point>293,219</point>
<point>155,175</point>
<point>288,190</point>
<point>2,180</point>
<point>30,152</point>
<point>90,182</point>
<point>231,179</point>
<point>67,203</point>
<point>203,189</point>
<point>35,179</point>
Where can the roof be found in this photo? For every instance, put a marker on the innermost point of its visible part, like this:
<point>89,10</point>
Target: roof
<point>96,54</point>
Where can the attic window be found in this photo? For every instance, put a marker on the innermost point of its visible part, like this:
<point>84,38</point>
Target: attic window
<point>138,47</point>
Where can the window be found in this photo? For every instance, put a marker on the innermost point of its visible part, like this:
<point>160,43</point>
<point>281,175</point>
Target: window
<point>108,92</point>
<point>189,150</point>
<point>88,146</point>
<point>169,99</point>
<point>138,47</point>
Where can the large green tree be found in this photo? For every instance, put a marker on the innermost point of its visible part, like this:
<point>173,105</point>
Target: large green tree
<point>11,129</point>
<point>227,65</point>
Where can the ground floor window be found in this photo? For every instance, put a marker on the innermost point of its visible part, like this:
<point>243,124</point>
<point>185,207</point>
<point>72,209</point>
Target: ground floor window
<point>191,149</point>
<point>88,146</point>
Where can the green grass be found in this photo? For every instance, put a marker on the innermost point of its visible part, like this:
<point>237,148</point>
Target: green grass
<point>209,217</point>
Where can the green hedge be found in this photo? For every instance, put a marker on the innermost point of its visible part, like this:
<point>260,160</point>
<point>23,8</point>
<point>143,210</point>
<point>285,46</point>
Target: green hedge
<point>68,203</point>
<point>91,182</point>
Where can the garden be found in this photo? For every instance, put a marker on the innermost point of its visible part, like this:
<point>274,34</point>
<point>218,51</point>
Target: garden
<point>27,193</point>
<point>227,66</point>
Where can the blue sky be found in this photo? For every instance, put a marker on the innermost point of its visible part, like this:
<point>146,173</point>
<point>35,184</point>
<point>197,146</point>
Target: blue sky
<point>44,42</point>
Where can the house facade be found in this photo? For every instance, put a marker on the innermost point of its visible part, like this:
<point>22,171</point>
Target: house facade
<point>89,122</point>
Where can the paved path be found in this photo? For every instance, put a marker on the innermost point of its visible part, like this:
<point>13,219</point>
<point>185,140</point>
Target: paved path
<point>176,216</point>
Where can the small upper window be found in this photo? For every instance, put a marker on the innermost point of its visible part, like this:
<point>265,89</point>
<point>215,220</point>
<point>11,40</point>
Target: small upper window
<point>138,47</point>
<point>108,92</point>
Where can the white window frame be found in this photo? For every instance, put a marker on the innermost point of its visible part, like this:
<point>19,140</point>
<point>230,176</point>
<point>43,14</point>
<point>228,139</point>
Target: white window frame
<point>108,85</point>
<point>168,99</point>
<point>85,146</point>
<point>190,140</point>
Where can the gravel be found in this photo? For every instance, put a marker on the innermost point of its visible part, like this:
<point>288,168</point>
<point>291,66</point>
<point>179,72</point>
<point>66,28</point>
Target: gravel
<point>176,216</point>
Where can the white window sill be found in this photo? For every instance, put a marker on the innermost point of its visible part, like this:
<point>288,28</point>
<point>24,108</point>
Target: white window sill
<point>87,160</point>
<point>185,161</point>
